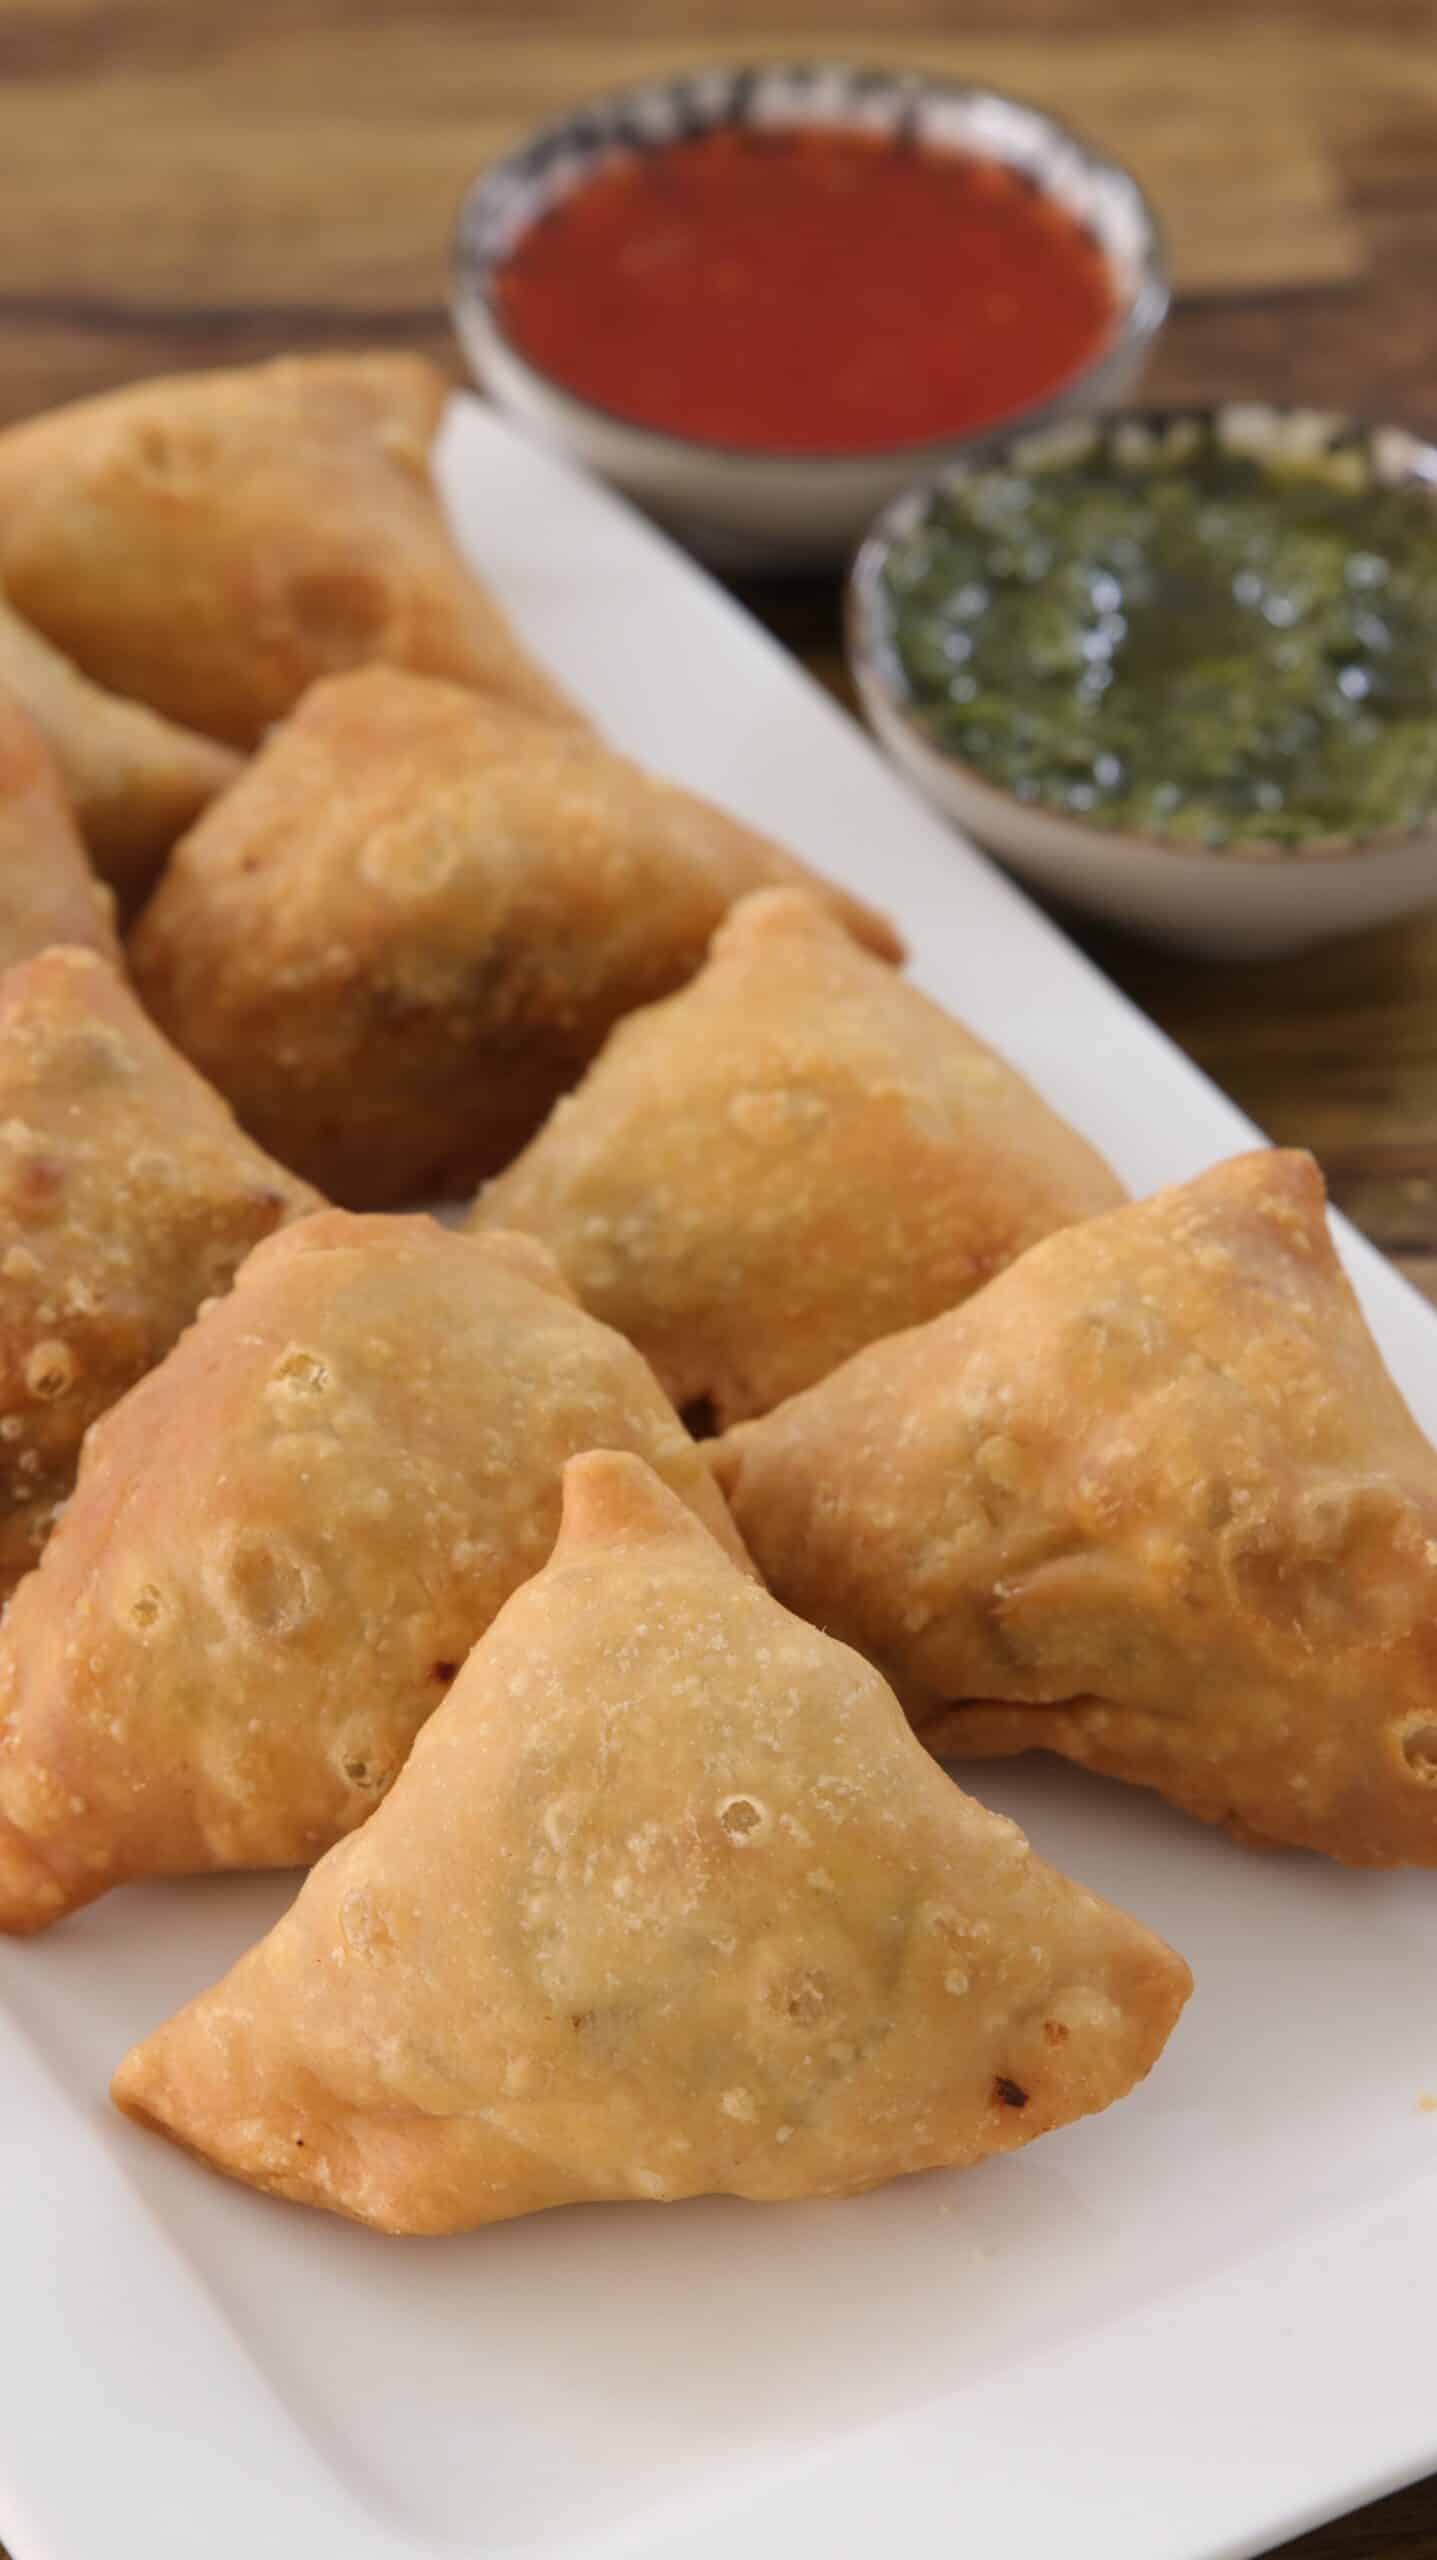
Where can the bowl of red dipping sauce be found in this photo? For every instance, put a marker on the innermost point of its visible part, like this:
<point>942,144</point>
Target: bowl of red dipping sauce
<point>761,301</point>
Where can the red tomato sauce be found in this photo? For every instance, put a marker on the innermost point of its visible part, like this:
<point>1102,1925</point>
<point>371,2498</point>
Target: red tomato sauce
<point>807,291</point>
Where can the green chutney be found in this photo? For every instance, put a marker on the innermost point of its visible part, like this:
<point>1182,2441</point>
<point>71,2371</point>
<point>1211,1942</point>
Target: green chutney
<point>1168,635</point>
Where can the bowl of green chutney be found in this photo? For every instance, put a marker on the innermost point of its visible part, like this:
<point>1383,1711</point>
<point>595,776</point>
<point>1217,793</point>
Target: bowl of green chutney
<point>1176,667</point>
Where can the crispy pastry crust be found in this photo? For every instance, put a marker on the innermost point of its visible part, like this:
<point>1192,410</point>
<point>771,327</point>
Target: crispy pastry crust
<point>1150,1500</point>
<point>48,892</point>
<point>135,781</point>
<point>667,1901</point>
<point>284,1542</point>
<point>211,543</point>
<point>794,1155</point>
<point>416,917</point>
<point>127,1197</point>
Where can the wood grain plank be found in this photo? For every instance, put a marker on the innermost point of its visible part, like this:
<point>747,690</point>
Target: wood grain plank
<point>1403,2527</point>
<point>265,126</point>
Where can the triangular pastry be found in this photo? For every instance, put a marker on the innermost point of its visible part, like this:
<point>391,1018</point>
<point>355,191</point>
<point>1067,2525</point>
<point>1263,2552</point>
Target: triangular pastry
<point>416,917</point>
<point>283,1544</point>
<point>48,892</point>
<point>127,1197</point>
<point>1150,1500</point>
<point>210,543</point>
<point>134,780</point>
<point>668,1901</point>
<point>796,1153</point>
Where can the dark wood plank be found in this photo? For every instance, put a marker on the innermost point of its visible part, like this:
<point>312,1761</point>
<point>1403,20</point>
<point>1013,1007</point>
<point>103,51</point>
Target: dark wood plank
<point>261,118</point>
<point>1397,2528</point>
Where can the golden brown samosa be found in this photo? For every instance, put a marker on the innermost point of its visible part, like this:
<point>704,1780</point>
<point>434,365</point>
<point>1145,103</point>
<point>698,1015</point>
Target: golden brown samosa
<point>794,1154</point>
<point>415,918</point>
<point>127,1197</point>
<point>48,892</point>
<point>668,1901</point>
<point>210,543</point>
<point>135,781</point>
<point>1150,1500</point>
<point>283,1544</point>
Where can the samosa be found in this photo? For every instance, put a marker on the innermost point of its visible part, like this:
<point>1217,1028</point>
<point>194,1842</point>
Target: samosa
<point>796,1153</point>
<point>134,781</point>
<point>210,543</point>
<point>415,918</point>
<point>1150,1500</point>
<point>127,1197</point>
<point>48,892</point>
<point>668,1901</point>
<point>285,1541</point>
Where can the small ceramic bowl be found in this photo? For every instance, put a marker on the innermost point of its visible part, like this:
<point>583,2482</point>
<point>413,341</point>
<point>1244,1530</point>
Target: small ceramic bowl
<point>1249,901</point>
<point>746,508</point>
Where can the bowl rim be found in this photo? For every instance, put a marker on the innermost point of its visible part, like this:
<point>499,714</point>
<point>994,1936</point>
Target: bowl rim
<point>473,271</point>
<point>872,658</point>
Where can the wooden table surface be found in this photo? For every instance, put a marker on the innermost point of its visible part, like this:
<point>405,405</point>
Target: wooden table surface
<point>184,184</point>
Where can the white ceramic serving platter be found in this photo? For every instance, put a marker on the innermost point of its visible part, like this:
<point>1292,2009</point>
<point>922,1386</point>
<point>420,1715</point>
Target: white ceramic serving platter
<point>1179,2332</point>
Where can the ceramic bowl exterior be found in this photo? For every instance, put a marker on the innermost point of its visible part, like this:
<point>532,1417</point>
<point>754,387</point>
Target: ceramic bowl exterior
<point>1249,901</point>
<point>750,509</point>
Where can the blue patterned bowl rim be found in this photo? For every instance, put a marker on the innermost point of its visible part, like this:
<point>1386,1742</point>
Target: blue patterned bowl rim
<point>914,107</point>
<point>1271,431</point>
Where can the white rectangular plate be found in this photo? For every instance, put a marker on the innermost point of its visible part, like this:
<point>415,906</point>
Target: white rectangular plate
<point>1179,2332</point>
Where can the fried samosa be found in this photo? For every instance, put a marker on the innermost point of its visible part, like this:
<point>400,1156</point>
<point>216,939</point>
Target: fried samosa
<point>48,892</point>
<point>285,1541</point>
<point>135,781</point>
<point>795,1154</point>
<point>416,917</point>
<point>210,543</point>
<point>1151,1501</point>
<point>127,1197</point>
<point>667,1902</point>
